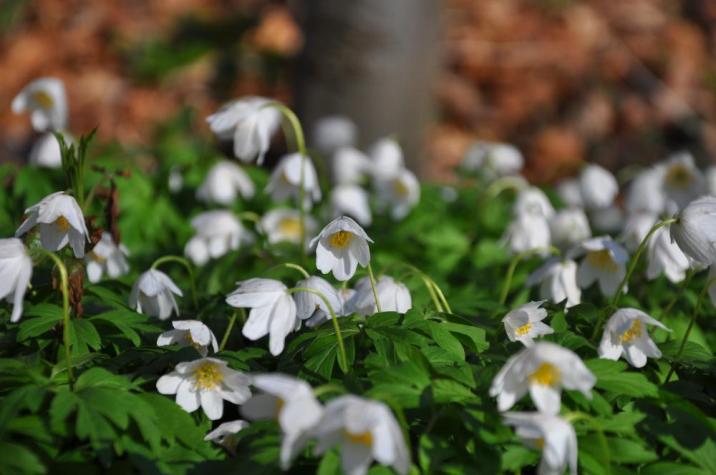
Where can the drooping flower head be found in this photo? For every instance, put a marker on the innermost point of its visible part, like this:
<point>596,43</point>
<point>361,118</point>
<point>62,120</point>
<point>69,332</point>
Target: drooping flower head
<point>251,121</point>
<point>341,245</point>
<point>285,180</point>
<point>106,258</point>
<point>598,187</point>
<point>217,233</point>
<point>665,257</point>
<point>387,159</point>
<point>625,334</point>
<point>646,192</point>
<point>554,436</point>
<point>308,304</point>
<point>205,382</point>
<point>153,294</point>
<point>524,323</point>
<point>333,132</point>
<point>494,160</point>
<point>190,333</point>
<point>542,369</point>
<point>15,274</point>
<point>366,430</point>
<point>683,181</point>
<point>350,166</point>
<point>636,227</point>
<point>225,434</point>
<point>224,183</point>
<point>273,311</point>
<point>569,227</point>
<point>46,151</point>
<point>532,200</point>
<point>284,225</point>
<point>393,296</point>
<point>558,281</point>
<point>60,221</point>
<point>291,403</point>
<point>46,100</point>
<point>604,262</point>
<point>695,230</point>
<point>400,194</point>
<point>527,232</point>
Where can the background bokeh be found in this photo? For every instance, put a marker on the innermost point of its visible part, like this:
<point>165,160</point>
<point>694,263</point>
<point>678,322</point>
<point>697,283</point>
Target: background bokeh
<point>619,83</point>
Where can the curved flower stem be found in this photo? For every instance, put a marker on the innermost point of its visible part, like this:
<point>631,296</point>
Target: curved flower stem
<point>507,283</point>
<point>343,359</point>
<point>300,269</point>
<point>64,288</point>
<point>502,184</point>
<point>694,315</point>
<point>189,270</point>
<point>301,147</point>
<point>328,388</point>
<point>439,300</point>
<point>250,216</point>
<point>373,287</point>
<point>637,255</point>
<point>232,321</point>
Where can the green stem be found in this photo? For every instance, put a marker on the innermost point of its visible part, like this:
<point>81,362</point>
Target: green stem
<point>250,216</point>
<point>685,338</point>
<point>300,269</point>
<point>372,286</point>
<point>439,300</point>
<point>635,260</point>
<point>232,321</point>
<point>507,283</point>
<point>343,358</point>
<point>328,388</point>
<point>503,184</point>
<point>189,269</point>
<point>301,147</point>
<point>64,283</point>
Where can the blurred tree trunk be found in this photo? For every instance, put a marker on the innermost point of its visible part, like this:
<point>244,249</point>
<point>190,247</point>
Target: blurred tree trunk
<point>374,61</point>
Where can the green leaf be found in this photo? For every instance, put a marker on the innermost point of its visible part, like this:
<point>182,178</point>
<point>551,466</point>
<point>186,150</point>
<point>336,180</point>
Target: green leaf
<point>39,319</point>
<point>15,458</point>
<point>84,336</point>
<point>661,468</point>
<point>611,377</point>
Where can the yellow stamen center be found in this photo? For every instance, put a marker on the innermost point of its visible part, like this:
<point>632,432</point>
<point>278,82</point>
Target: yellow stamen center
<point>279,405</point>
<point>634,331</point>
<point>547,375</point>
<point>62,224</point>
<point>400,189</point>
<point>43,99</point>
<point>523,330</point>
<point>679,176</point>
<point>207,376</point>
<point>340,239</point>
<point>290,227</point>
<point>96,257</point>
<point>602,260</point>
<point>365,438</point>
<point>539,443</point>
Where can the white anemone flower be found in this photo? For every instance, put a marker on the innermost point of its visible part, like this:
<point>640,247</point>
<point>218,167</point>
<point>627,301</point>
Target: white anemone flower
<point>284,225</point>
<point>527,232</point>
<point>46,100</point>
<point>205,382</point>
<point>570,192</point>
<point>400,193</point>
<point>608,220</point>
<point>15,274</point>
<point>393,296</point>
<point>285,180</point>
<point>636,227</point>
<point>524,323</point>
<point>598,187</point>
<point>711,180</point>
<point>190,333</point>
<point>153,294</point>
<point>291,403</point>
<point>625,334</point>
<point>340,246</point>
<point>106,258</point>
<point>46,150</point>
<point>350,166</point>
<point>532,200</point>
<point>558,281</point>
<point>344,296</point>
<point>273,311</point>
<point>569,227</point>
<point>224,183</point>
<point>494,159</point>
<point>218,232</point>
<point>310,305</point>
<point>683,181</point>
<point>60,220</point>
<point>387,159</point>
<point>646,192</point>
<point>251,121</point>
<point>665,257</point>
<point>552,435</point>
<point>225,434</point>
<point>334,132</point>
<point>366,430</point>
<point>604,262</point>
<point>542,369</point>
<point>695,230</point>
<point>351,200</point>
